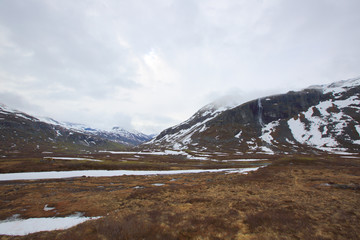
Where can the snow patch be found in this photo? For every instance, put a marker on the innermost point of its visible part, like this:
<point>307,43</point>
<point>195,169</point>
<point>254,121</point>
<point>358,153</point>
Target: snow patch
<point>267,150</point>
<point>158,184</point>
<point>104,173</point>
<point>23,227</point>
<point>358,129</point>
<point>238,135</point>
<point>267,130</point>
<point>246,160</point>
<point>316,132</point>
<point>47,208</point>
<point>74,159</point>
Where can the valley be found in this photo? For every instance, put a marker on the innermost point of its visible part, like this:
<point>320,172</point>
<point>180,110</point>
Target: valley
<point>277,167</point>
<point>179,120</point>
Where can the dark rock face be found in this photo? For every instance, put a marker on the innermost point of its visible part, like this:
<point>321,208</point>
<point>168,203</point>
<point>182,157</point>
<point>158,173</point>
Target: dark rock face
<point>290,104</point>
<point>273,108</point>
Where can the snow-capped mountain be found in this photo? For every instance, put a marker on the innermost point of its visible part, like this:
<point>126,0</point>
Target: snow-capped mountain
<point>68,125</point>
<point>180,135</point>
<point>319,118</point>
<point>116,134</point>
<point>133,135</point>
<point>22,132</point>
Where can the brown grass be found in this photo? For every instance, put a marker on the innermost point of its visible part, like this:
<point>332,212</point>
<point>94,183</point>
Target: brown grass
<point>294,198</point>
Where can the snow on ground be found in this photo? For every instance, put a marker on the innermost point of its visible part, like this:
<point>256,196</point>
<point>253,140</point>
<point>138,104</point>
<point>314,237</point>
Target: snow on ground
<point>74,159</point>
<point>267,150</point>
<point>245,160</point>
<point>118,152</point>
<point>177,146</point>
<point>166,152</point>
<point>158,184</point>
<point>47,208</point>
<point>356,157</point>
<point>241,170</point>
<point>105,173</point>
<point>25,226</point>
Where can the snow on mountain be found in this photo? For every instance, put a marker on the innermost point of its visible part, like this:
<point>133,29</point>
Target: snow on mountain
<point>6,110</point>
<point>68,125</point>
<point>328,125</point>
<point>130,133</point>
<point>117,134</point>
<point>180,135</point>
<point>318,118</point>
<point>10,119</point>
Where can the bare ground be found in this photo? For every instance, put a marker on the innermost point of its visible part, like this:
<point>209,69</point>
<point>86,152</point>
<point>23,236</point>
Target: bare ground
<point>295,197</point>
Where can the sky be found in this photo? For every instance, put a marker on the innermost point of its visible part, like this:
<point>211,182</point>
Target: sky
<point>151,64</point>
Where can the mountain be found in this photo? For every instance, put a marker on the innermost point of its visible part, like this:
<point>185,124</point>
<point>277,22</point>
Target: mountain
<point>130,137</point>
<point>117,134</point>
<point>21,132</point>
<point>316,119</point>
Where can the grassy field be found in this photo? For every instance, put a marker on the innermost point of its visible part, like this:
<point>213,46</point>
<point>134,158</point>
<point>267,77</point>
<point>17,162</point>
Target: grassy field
<point>295,197</point>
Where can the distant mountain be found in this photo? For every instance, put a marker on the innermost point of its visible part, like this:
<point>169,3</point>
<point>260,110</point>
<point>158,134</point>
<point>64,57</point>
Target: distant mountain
<point>22,132</point>
<point>117,134</point>
<point>319,118</point>
<point>131,137</point>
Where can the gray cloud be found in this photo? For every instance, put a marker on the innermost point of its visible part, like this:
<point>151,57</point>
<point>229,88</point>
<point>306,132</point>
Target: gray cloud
<point>126,62</point>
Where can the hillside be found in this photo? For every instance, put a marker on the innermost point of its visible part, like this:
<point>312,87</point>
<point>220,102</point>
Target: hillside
<point>318,118</point>
<point>21,132</point>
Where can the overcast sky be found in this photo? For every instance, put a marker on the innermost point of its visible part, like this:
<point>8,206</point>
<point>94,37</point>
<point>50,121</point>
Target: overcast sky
<point>151,64</point>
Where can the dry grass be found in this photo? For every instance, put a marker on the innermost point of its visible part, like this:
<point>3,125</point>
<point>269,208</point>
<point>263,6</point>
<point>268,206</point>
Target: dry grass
<point>294,198</point>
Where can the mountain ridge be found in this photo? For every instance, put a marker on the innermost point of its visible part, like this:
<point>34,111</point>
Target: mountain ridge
<point>277,123</point>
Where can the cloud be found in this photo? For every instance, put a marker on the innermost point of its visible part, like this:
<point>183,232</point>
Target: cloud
<point>16,101</point>
<point>151,64</point>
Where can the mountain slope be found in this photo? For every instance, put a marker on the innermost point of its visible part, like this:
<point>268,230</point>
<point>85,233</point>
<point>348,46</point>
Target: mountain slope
<point>319,118</point>
<point>181,134</point>
<point>21,132</point>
